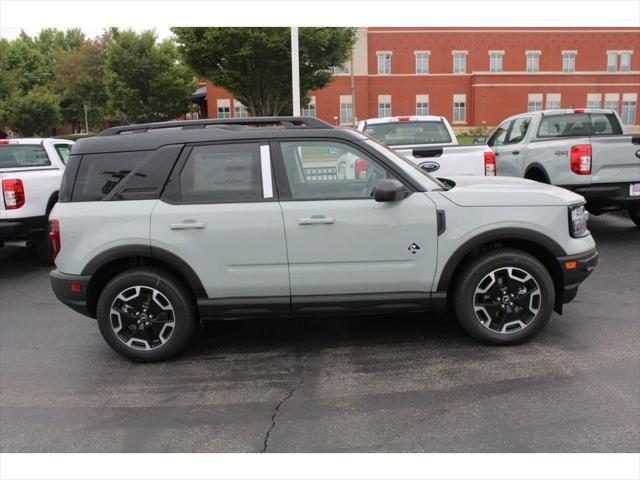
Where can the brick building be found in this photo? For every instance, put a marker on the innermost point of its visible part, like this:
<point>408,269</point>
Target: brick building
<point>475,76</point>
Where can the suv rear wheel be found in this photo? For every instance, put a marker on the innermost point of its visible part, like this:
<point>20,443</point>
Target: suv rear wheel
<point>504,297</point>
<point>146,315</point>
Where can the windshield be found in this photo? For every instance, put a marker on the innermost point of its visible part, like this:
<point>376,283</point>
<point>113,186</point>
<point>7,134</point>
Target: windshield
<point>405,164</point>
<point>409,133</point>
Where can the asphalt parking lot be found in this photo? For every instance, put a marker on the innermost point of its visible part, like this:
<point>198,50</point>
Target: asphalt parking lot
<point>400,383</point>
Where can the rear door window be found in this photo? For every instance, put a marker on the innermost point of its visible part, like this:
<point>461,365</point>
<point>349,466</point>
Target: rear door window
<point>64,151</point>
<point>18,156</point>
<point>578,125</point>
<point>222,173</point>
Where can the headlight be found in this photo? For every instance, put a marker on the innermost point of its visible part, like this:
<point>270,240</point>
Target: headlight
<point>578,218</point>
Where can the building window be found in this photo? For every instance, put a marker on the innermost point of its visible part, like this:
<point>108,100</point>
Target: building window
<point>495,61</point>
<point>459,108</point>
<point>533,61</point>
<point>535,102</point>
<point>342,69</point>
<point>594,100</point>
<point>611,101</point>
<point>553,101</point>
<point>568,61</point>
<point>346,110</point>
<point>224,108</point>
<point>459,62</point>
<point>422,104</point>
<point>384,63</point>
<point>422,62</point>
<point>239,110</point>
<point>625,61</point>
<point>612,61</point>
<point>384,105</point>
<point>629,108</point>
<point>310,109</point>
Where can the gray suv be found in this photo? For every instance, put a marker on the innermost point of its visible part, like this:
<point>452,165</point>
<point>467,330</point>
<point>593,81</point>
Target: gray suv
<point>159,226</point>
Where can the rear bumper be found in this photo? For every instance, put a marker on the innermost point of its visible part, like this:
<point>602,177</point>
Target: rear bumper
<point>23,228</point>
<point>602,197</point>
<point>77,300</point>
<point>575,270</point>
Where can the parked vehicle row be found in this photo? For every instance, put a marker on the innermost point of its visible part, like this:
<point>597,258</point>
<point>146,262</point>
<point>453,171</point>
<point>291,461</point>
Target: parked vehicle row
<point>30,173</point>
<point>159,226</point>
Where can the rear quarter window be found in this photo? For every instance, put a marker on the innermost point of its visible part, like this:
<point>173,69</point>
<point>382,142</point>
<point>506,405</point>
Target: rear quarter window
<point>18,156</point>
<point>100,173</point>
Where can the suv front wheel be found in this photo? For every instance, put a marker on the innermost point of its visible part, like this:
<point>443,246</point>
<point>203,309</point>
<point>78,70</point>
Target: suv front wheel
<point>504,297</point>
<point>146,315</point>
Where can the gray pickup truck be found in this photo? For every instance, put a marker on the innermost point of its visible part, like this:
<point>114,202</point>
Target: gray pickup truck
<point>583,150</point>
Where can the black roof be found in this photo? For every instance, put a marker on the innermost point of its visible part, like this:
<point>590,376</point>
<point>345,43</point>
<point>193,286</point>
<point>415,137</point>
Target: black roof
<point>151,136</point>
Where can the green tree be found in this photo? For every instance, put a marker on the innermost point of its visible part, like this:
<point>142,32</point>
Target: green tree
<point>254,64</point>
<point>51,39</point>
<point>144,80</point>
<point>36,112</point>
<point>79,79</point>
<point>26,63</point>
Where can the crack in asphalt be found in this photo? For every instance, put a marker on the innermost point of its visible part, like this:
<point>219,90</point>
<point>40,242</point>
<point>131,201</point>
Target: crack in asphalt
<point>275,414</point>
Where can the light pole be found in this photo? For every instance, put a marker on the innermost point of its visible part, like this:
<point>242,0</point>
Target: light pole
<point>295,71</point>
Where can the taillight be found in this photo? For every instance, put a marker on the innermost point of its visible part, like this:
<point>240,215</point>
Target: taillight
<point>581,159</point>
<point>13,193</point>
<point>361,168</point>
<point>54,236</point>
<point>490,164</point>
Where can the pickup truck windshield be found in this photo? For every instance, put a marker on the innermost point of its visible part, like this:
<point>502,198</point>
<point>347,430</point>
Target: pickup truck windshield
<point>409,133</point>
<point>17,156</point>
<point>578,125</point>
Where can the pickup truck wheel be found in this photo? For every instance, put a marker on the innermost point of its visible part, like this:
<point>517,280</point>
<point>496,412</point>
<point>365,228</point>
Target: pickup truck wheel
<point>146,315</point>
<point>634,214</point>
<point>504,297</point>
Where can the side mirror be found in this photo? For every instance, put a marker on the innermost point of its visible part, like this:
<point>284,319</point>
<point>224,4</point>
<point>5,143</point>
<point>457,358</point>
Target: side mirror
<point>390,190</point>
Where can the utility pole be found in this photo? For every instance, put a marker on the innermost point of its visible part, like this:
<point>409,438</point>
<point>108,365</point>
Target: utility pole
<point>353,92</point>
<point>86,119</point>
<point>295,71</point>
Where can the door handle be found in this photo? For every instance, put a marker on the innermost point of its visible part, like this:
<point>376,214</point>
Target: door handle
<point>515,152</point>
<point>316,220</point>
<point>188,225</point>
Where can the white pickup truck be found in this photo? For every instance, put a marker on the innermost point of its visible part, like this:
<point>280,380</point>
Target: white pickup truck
<point>30,173</point>
<point>431,143</point>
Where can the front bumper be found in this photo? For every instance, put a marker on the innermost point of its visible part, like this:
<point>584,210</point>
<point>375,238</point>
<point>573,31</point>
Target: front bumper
<point>73,297</point>
<point>23,228</point>
<point>575,269</point>
<point>603,197</point>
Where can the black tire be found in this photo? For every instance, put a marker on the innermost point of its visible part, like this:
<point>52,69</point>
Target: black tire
<point>43,248</point>
<point>634,215</point>
<point>180,320</point>
<point>499,324</point>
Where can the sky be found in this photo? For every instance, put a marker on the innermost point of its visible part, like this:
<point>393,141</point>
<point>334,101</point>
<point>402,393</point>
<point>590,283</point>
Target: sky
<point>93,16</point>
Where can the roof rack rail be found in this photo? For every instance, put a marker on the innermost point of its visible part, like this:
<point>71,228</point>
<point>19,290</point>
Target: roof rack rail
<point>286,122</point>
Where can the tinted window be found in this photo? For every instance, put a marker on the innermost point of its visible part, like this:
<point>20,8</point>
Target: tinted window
<point>499,135</point>
<point>329,170</point>
<point>518,130</point>
<point>222,173</point>
<point>578,124</point>
<point>63,150</point>
<point>407,133</point>
<point>100,173</point>
<point>16,156</point>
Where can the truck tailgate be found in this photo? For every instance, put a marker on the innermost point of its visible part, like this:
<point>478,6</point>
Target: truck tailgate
<point>446,160</point>
<point>615,159</point>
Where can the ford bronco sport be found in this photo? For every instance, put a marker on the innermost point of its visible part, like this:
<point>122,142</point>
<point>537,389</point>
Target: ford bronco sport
<point>161,225</point>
